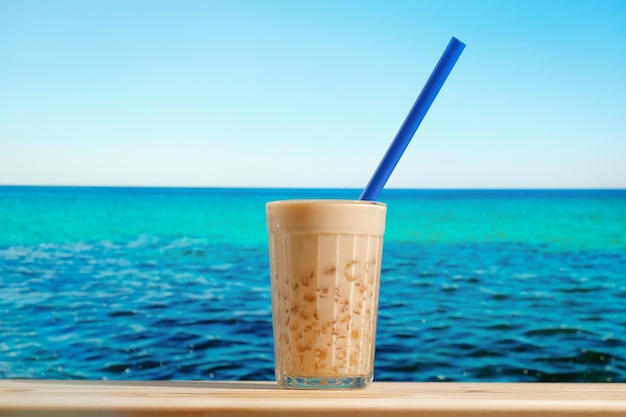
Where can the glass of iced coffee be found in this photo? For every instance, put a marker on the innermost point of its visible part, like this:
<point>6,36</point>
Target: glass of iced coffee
<point>325,263</point>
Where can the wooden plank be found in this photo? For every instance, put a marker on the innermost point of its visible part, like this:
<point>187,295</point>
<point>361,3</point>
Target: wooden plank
<point>196,398</point>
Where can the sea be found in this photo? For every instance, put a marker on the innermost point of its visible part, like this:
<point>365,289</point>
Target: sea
<point>172,283</point>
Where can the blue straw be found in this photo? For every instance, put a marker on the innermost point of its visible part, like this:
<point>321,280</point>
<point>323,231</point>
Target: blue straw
<point>413,120</point>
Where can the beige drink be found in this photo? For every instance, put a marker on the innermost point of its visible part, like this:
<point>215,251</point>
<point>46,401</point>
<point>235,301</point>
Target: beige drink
<point>325,261</point>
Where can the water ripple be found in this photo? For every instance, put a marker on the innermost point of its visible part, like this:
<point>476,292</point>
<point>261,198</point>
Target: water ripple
<point>157,307</point>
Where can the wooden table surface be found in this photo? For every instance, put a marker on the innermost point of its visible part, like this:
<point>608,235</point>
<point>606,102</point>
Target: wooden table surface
<point>195,398</point>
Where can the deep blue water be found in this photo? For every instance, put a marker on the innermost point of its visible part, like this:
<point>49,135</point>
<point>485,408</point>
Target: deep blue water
<point>173,284</point>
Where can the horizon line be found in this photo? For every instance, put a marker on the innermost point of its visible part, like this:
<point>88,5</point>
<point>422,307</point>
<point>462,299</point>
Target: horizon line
<point>226,187</point>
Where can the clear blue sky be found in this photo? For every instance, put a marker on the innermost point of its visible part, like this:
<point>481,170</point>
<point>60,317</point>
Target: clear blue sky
<point>310,93</point>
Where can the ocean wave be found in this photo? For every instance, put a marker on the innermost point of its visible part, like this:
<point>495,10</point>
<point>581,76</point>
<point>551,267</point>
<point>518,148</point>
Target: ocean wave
<point>159,307</point>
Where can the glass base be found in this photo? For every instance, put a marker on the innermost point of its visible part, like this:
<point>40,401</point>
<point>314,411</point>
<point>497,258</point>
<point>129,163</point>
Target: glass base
<point>322,382</point>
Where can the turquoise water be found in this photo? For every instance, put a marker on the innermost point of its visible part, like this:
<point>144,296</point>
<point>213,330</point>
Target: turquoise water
<point>562,219</point>
<point>148,283</point>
